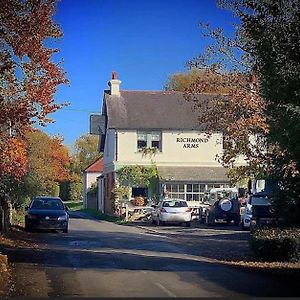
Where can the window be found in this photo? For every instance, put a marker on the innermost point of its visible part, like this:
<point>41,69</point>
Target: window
<point>148,139</point>
<point>175,203</point>
<point>47,203</point>
<point>191,191</point>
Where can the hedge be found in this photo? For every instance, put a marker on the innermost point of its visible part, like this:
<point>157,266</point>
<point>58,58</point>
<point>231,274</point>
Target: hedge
<point>276,244</point>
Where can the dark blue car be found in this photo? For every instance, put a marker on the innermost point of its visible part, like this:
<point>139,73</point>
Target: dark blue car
<point>46,212</point>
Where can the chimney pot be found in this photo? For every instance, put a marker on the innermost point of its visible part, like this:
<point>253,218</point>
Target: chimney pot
<point>114,75</point>
<point>114,84</point>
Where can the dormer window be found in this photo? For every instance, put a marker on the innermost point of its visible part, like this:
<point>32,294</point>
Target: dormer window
<point>148,139</point>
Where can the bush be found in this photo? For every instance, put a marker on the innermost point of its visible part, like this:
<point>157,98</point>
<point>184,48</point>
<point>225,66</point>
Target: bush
<point>54,190</point>
<point>276,244</point>
<point>76,190</point>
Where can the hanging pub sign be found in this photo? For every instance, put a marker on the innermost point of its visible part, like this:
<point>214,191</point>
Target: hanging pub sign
<point>97,124</point>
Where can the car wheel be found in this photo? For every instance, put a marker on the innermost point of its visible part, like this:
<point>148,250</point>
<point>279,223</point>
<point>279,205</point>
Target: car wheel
<point>237,220</point>
<point>210,219</point>
<point>27,227</point>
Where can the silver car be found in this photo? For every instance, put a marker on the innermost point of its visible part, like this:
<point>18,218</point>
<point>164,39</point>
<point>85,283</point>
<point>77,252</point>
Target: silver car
<point>172,210</point>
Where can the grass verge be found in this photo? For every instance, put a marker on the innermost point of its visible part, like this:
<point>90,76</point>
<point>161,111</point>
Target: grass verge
<point>271,268</point>
<point>74,205</point>
<point>18,218</point>
<point>101,216</point>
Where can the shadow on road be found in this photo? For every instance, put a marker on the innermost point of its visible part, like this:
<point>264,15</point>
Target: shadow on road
<point>111,249</point>
<point>186,268</point>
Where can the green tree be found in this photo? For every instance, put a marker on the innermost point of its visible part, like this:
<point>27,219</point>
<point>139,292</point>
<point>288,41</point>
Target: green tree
<point>182,82</point>
<point>85,153</point>
<point>267,106</point>
<point>130,176</point>
<point>272,29</point>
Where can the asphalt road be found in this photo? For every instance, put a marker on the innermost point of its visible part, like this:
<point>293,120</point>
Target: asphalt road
<point>102,259</point>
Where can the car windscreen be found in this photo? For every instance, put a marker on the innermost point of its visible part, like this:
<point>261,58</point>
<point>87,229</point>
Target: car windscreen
<point>259,201</point>
<point>222,195</point>
<point>47,203</point>
<point>174,203</point>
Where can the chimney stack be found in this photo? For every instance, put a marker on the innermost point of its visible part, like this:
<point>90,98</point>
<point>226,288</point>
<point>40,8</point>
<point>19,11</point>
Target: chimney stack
<point>114,84</point>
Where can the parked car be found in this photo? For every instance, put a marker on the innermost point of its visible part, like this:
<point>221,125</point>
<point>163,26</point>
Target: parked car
<point>262,191</point>
<point>46,212</point>
<point>259,199</point>
<point>172,210</point>
<point>262,216</point>
<point>223,205</point>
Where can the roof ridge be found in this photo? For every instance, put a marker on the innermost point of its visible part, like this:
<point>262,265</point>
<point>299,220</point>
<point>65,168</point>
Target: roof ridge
<point>170,92</point>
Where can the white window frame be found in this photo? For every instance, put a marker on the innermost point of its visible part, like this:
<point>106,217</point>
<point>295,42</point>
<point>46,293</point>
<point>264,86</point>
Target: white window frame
<point>202,193</point>
<point>149,138</point>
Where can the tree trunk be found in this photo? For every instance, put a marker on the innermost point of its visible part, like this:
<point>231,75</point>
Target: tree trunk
<point>5,215</point>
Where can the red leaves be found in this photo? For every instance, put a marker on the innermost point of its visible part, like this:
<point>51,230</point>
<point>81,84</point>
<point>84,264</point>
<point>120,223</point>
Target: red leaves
<point>238,112</point>
<point>13,158</point>
<point>28,78</point>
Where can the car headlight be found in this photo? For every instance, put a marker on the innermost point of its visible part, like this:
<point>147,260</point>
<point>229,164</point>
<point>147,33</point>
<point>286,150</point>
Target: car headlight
<point>31,216</point>
<point>62,218</point>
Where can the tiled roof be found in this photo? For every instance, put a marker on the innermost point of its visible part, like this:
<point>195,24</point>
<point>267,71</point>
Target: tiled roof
<point>153,110</point>
<point>95,167</point>
<point>204,174</point>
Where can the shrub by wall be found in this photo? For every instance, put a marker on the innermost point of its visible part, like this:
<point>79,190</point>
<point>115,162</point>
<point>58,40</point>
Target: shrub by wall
<point>276,244</point>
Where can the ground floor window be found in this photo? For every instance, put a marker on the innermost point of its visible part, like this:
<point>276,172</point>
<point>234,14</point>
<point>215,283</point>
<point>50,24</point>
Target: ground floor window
<point>191,191</point>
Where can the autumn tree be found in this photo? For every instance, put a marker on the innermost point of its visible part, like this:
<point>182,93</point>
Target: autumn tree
<point>48,162</point>
<point>259,116</point>
<point>85,152</point>
<point>28,81</point>
<point>182,81</point>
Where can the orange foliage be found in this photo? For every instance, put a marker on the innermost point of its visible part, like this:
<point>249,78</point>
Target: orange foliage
<point>28,77</point>
<point>48,157</point>
<point>13,159</point>
<point>239,115</point>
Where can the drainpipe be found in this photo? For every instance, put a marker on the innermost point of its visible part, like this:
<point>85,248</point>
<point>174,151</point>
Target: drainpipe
<point>116,150</point>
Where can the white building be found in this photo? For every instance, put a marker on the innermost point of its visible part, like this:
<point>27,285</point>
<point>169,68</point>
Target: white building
<point>133,120</point>
<point>90,175</point>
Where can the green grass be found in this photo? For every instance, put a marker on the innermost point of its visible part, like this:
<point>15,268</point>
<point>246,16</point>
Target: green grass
<point>74,205</point>
<point>99,215</point>
<point>18,218</point>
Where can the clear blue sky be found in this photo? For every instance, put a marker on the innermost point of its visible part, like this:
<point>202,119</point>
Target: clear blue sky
<point>143,40</point>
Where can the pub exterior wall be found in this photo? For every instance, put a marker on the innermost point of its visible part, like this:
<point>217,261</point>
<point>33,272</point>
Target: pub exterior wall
<point>178,148</point>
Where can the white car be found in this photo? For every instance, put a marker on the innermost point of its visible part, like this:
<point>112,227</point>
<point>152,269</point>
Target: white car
<point>253,200</point>
<point>172,210</point>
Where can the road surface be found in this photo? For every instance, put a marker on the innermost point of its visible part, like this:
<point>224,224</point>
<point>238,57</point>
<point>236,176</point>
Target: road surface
<point>102,259</point>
